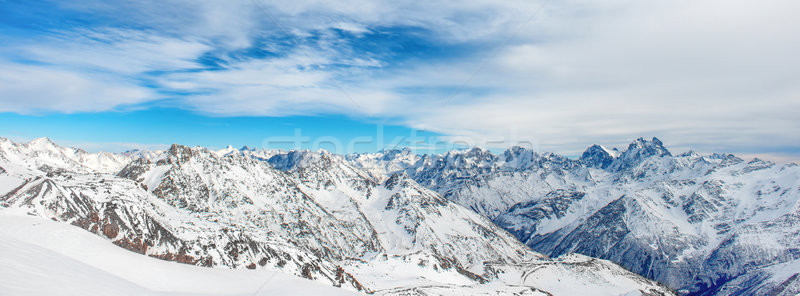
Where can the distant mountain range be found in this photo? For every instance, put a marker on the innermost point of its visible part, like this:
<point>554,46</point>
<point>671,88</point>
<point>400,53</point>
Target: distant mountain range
<point>469,221</point>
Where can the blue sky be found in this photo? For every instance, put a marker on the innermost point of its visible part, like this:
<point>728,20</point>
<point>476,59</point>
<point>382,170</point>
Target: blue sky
<point>707,75</point>
<point>151,128</point>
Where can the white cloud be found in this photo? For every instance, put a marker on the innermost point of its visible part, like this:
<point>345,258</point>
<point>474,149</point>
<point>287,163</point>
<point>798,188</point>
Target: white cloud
<point>89,70</point>
<point>31,89</point>
<point>351,27</point>
<point>115,51</point>
<point>229,24</point>
<point>710,74</point>
<point>278,87</point>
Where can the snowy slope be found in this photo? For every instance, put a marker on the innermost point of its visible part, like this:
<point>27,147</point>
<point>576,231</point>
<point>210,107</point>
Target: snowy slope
<point>43,257</point>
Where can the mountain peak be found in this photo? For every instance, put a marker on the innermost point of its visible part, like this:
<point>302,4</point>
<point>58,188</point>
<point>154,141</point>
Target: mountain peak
<point>390,154</point>
<point>397,150</point>
<point>297,159</point>
<point>598,156</point>
<point>180,152</point>
<point>654,143</point>
<point>477,152</point>
<point>229,150</point>
<point>41,142</point>
<point>517,150</point>
<point>639,150</point>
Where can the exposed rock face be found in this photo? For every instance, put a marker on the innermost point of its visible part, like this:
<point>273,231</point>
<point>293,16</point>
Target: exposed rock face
<point>526,216</point>
<point>638,151</point>
<point>597,157</point>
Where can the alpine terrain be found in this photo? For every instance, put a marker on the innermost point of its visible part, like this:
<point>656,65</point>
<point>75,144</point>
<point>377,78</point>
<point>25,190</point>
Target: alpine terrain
<point>701,224</point>
<point>366,224</point>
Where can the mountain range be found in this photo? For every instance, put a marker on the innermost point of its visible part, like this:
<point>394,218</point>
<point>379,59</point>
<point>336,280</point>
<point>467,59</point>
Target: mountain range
<point>312,215</point>
<point>701,224</point>
<point>612,222</point>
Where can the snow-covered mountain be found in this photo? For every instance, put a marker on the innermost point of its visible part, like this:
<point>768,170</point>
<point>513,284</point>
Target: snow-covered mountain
<point>312,214</point>
<point>486,183</point>
<point>706,225</point>
<point>44,155</point>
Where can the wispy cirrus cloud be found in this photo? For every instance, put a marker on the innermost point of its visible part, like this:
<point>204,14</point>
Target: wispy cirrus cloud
<point>33,89</point>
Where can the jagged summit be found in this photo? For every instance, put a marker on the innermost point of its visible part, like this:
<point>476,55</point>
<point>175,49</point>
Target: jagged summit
<point>180,153</point>
<point>402,150</point>
<point>652,147</point>
<point>598,156</point>
<point>639,150</point>
<point>142,154</point>
<point>42,141</point>
<point>517,150</point>
<point>519,157</point>
<point>475,151</point>
<point>296,158</point>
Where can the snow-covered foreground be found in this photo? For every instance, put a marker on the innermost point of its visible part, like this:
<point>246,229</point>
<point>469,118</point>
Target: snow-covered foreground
<point>43,257</point>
